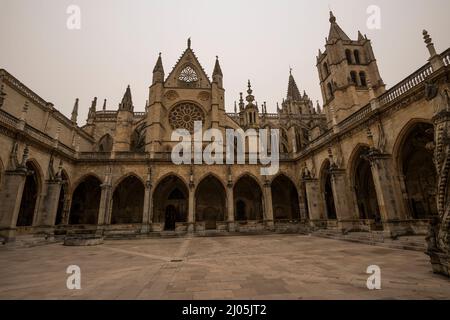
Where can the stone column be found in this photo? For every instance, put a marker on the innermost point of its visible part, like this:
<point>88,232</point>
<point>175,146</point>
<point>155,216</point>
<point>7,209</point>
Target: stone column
<point>10,198</point>
<point>345,211</point>
<point>230,208</point>
<point>51,202</point>
<point>302,205</point>
<point>66,210</point>
<point>191,208</point>
<point>315,202</point>
<point>388,190</point>
<point>268,216</point>
<point>104,217</point>
<point>147,218</point>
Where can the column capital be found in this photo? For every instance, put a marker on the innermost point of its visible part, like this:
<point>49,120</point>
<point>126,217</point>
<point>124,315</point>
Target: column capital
<point>105,186</point>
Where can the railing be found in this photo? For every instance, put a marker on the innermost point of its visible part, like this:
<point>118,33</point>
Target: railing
<point>355,117</point>
<point>94,155</point>
<point>38,135</point>
<point>407,84</point>
<point>131,155</point>
<point>106,112</point>
<point>8,119</point>
<point>446,57</point>
<point>139,114</point>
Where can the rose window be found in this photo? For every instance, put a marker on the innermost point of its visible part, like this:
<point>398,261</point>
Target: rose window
<point>188,75</point>
<point>184,115</point>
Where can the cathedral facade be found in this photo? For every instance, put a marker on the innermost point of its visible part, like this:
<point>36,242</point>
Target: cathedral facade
<point>371,159</point>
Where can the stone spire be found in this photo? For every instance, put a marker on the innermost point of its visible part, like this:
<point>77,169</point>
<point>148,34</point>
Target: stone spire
<point>241,101</point>
<point>250,97</point>
<point>217,70</point>
<point>360,36</point>
<point>435,59</point>
<point>158,66</point>
<point>75,111</point>
<point>158,70</point>
<point>336,33</point>
<point>217,73</point>
<point>127,102</point>
<point>293,93</point>
<point>93,108</point>
<point>104,105</point>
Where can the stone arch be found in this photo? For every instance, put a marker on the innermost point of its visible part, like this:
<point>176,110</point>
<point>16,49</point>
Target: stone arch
<point>138,138</point>
<point>248,198</point>
<point>285,201</point>
<point>130,174</point>
<point>30,195</point>
<point>64,199</point>
<point>326,190</point>
<point>210,201</point>
<point>170,201</point>
<point>415,166</point>
<point>105,143</point>
<point>85,204</point>
<point>362,182</point>
<point>128,200</point>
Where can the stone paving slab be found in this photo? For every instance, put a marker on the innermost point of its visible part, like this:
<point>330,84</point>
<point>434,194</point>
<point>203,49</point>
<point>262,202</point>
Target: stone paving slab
<point>243,267</point>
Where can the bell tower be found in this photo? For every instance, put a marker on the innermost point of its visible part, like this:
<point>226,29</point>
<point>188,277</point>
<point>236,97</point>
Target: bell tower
<point>347,71</point>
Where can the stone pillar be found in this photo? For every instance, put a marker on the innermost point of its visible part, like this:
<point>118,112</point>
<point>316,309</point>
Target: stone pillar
<point>191,208</point>
<point>345,211</point>
<point>230,208</point>
<point>315,202</point>
<point>105,203</point>
<point>268,214</point>
<point>302,205</point>
<point>66,210</point>
<point>51,201</point>
<point>147,217</point>
<point>10,198</point>
<point>388,190</point>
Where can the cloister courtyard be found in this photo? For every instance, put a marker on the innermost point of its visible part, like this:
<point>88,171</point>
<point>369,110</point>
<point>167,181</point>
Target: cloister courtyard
<point>283,267</point>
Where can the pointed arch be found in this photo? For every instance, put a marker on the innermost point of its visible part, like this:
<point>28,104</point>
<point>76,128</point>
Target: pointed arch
<point>138,138</point>
<point>128,200</point>
<point>415,165</point>
<point>64,198</point>
<point>210,201</point>
<point>248,198</point>
<point>85,201</point>
<point>125,176</point>
<point>285,201</point>
<point>30,194</point>
<point>326,190</point>
<point>105,143</point>
<point>361,179</point>
<point>170,201</point>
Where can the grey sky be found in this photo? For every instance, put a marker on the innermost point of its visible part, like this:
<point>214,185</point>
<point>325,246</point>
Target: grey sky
<point>119,42</point>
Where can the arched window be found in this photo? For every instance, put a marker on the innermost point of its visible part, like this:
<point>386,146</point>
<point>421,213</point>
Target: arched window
<point>105,143</point>
<point>348,55</point>
<point>363,79</point>
<point>357,57</point>
<point>325,69</point>
<point>354,77</point>
<point>330,90</point>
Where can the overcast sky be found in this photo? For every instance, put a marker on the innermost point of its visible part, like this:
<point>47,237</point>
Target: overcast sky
<point>119,42</point>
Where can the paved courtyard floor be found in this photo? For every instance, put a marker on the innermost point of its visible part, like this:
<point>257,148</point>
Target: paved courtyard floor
<point>241,267</point>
